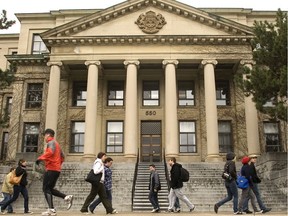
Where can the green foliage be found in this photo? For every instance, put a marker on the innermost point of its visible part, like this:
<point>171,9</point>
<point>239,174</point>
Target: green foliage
<point>4,22</point>
<point>7,76</point>
<point>267,80</point>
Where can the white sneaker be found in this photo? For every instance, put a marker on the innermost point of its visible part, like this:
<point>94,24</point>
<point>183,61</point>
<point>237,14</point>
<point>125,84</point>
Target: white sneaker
<point>69,200</point>
<point>49,212</point>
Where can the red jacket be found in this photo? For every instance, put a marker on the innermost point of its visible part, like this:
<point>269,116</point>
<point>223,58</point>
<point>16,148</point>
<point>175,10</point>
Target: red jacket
<point>53,155</point>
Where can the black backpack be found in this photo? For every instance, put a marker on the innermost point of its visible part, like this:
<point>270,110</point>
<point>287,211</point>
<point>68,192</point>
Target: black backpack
<point>184,175</point>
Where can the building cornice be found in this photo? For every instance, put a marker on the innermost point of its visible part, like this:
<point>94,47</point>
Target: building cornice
<point>39,59</point>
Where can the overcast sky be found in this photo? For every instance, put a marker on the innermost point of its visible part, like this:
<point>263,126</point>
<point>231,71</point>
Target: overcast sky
<point>31,6</point>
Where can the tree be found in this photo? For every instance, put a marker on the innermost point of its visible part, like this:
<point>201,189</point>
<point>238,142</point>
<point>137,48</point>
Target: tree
<point>267,80</point>
<point>4,22</point>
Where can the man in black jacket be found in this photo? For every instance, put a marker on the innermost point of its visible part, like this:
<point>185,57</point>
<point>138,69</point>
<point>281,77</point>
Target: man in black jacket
<point>175,186</point>
<point>154,187</point>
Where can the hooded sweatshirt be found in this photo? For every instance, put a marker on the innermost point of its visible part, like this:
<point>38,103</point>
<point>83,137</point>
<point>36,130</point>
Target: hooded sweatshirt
<point>230,165</point>
<point>175,174</point>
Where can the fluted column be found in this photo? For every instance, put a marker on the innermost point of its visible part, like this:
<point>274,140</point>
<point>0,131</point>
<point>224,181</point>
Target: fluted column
<point>131,117</point>
<point>91,110</point>
<point>171,123</point>
<point>211,110</point>
<point>251,118</point>
<point>53,96</point>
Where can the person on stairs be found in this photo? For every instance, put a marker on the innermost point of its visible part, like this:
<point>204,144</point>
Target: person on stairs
<point>154,187</point>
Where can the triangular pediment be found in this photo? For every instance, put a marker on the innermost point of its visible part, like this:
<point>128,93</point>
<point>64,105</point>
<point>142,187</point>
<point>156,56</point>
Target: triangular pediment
<point>150,18</point>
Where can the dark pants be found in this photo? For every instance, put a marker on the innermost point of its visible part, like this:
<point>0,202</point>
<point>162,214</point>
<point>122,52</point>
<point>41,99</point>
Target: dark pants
<point>177,203</point>
<point>17,189</point>
<point>100,190</point>
<point>7,197</point>
<point>258,197</point>
<point>94,204</point>
<point>49,182</point>
<point>153,197</point>
<point>232,192</point>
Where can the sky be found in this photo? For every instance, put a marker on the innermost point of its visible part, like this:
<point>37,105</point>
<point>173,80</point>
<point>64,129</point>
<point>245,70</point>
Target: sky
<point>35,6</point>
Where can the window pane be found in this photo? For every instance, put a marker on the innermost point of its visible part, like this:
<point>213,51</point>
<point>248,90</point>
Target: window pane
<point>187,127</point>
<point>114,136</point>
<point>115,126</point>
<point>31,135</point>
<point>79,93</point>
<point>78,127</point>
<point>270,127</point>
<point>77,136</point>
<point>34,95</point>
<point>225,136</point>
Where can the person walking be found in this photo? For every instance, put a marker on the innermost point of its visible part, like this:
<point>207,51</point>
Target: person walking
<point>107,184</point>
<point>256,180</point>
<point>20,188</point>
<point>154,187</point>
<point>7,190</point>
<point>230,184</point>
<point>98,188</point>
<point>53,158</point>
<point>176,185</point>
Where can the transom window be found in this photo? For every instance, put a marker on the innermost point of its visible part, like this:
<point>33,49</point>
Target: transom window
<point>38,45</point>
<point>222,93</point>
<point>114,137</point>
<point>34,95</point>
<point>272,137</point>
<point>115,93</point>
<point>187,137</point>
<point>151,93</point>
<point>225,137</point>
<point>77,137</point>
<point>31,137</point>
<point>186,93</point>
<point>79,93</point>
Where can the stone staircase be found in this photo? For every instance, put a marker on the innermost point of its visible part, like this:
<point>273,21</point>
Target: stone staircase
<point>141,201</point>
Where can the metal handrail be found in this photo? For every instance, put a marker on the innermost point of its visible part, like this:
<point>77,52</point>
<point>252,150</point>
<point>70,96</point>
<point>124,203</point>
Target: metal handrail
<point>135,178</point>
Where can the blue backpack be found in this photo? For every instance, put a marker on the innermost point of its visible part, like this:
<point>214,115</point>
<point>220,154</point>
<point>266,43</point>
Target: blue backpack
<point>242,181</point>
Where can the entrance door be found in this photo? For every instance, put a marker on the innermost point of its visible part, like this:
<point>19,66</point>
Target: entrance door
<point>151,141</point>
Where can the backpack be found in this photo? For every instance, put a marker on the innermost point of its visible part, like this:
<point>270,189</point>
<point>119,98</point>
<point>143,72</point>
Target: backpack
<point>242,181</point>
<point>184,175</point>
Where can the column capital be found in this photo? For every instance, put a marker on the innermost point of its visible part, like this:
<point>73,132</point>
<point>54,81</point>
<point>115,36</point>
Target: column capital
<point>209,61</point>
<point>165,62</point>
<point>135,62</point>
<point>51,63</point>
<point>97,63</point>
<point>247,61</point>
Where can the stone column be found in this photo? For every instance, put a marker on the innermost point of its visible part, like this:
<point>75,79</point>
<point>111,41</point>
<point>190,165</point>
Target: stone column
<point>53,96</point>
<point>211,111</point>
<point>171,123</point>
<point>251,119</point>
<point>91,110</point>
<point>131,117</point>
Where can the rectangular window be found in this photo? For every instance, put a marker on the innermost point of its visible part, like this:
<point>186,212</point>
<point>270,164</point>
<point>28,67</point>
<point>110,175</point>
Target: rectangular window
<point>186,93</point>
<point>225,137</point>
<point>77,135</point>
<point>222,93</point>
<point>272,137</point>
<point>31,137</point>
<point>5,137</point>
<point>151,93</point>
<point>38,45</point>
<point>79,93</point>
<point>115,93</point>
<point>8,105</point>
<point>114,139</point>
<point>34,95</point>
<point>187,137</point>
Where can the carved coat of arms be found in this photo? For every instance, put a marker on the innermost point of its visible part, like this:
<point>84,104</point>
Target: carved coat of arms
<point>150,23</point>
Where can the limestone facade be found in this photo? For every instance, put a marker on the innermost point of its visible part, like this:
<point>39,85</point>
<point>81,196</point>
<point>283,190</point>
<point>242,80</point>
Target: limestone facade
<point>136,44</point>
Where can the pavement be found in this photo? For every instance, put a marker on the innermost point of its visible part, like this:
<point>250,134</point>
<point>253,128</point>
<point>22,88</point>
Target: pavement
<point>77,213</point>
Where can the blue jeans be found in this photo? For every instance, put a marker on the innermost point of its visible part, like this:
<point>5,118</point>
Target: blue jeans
<point>258,197</point>
<point>153,198</point>
<point>96,202</point>
<point>7,197</point>
<point>232,192</point>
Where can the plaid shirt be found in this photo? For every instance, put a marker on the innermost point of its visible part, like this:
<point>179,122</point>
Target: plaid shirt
<point>108,178</point>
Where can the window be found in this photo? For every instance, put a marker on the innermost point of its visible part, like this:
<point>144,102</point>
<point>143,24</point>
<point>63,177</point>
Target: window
<point>34,95</point>
<point>8,105</point>
<point>272,137</point>
<point>77,142</point>
<point>151,93</point>
<point>222,93</point>
<point>31,137</point>
<point>186,93</point>
<point>187,137</point>
<point>38,45</point>
<point>225,137</point>
<point>4,146</point>
<point>115,93</point>
<point>79,93</point>
<point>114,142</point>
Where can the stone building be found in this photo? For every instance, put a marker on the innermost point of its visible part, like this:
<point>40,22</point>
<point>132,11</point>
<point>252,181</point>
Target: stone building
<point>152,78</point>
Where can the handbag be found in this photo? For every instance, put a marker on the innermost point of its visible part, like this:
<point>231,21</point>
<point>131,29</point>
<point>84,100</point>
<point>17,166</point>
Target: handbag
<point>226,175</point>
<point>93,178</point>
<point>242,182</point>
<point>15,180</point>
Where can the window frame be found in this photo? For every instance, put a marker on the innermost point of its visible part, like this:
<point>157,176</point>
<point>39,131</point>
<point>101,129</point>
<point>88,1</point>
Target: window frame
<point>226,147</point>
<point>150,90</point>
<point>24,145</point>
<point>279,146</point>
<point>220,85</point>
<point>72,134</point>
<point>27,106</point>
<point>193,133</point>
<point>120,83</point>
<point>186,83</point>
<point>115,136</point>
<point>79,86</point>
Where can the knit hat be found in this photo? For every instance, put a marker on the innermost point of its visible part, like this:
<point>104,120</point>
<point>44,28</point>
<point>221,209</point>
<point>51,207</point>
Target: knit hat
<point>230,156</point>
<point>245,160</point>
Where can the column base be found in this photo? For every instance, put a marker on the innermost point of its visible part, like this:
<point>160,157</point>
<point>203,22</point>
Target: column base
<point>88,158</point>
<point>213,158</point>
<point>130,158</point>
